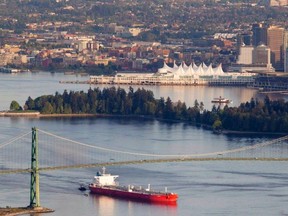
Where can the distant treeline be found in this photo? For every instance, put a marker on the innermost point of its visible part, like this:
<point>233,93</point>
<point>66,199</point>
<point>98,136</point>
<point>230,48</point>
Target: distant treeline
<point>258,116</point>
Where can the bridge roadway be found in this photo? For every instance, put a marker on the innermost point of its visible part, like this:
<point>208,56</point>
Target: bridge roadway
<point>104,164</point>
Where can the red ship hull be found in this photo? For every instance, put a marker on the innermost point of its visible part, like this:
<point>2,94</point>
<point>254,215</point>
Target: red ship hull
<point>149,196</point>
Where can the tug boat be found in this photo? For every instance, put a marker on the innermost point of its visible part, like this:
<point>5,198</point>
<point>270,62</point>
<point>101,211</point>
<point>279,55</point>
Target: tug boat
<point>105,184</point>
<point>82,187</point>
<point>221,100</point>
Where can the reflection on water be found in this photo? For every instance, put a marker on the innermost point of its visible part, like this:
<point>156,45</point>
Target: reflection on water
<point>105,205</point>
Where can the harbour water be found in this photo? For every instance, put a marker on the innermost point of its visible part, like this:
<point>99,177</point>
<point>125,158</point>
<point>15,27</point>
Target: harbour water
<point>204,187</point>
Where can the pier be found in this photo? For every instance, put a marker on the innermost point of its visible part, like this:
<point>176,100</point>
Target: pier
<point>271,82</point>
<point>139,80</point>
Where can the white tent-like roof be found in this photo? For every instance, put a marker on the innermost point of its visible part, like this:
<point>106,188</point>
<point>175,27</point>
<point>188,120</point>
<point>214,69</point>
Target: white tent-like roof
<point>192,69</point>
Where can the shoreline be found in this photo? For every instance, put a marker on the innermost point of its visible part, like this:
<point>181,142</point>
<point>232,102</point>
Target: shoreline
<point>13,211</point>
<point>38,114</point>
<point>85,115</point>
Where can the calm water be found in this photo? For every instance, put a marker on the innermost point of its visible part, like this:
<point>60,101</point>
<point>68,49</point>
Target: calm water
<point>204,188</point>
<point>19,86</point>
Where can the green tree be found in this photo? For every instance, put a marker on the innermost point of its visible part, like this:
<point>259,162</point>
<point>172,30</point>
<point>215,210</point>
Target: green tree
<point>14,106</point>
<point>160,107</point>
<point>29,104</point>
<point>169,109</point>
<point>217,125</point>
<point>201,107</point>
<point>196,104</point>
<point>67,109</point>
<point>47,109</point>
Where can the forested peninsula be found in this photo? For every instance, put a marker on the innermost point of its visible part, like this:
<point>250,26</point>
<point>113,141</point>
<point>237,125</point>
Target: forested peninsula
<point>253,116</point>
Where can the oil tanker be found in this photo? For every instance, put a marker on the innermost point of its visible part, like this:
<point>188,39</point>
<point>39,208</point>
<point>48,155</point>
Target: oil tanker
<point>105,184</point>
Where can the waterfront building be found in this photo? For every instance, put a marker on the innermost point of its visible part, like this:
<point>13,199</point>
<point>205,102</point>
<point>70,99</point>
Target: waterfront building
<point>5,58</point>
<point>19,59</point>
<point>253,68</point>
<point>179,75</point>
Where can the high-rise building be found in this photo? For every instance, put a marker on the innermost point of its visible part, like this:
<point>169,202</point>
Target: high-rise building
<point>247,39</point>
<point>243,39</point>
<point>259,34</point>
<point>245,55</point>
<point>253,59</point>
<point>275,41</point>
<point>261,55</point>
<point>286,51</point>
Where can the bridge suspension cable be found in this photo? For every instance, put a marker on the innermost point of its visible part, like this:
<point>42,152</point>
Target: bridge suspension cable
<point>14,140</point>
<point>259,145</point>
<point>56,152</point>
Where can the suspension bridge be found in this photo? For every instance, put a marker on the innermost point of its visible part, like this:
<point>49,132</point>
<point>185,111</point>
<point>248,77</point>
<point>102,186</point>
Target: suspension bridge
<point>48,151</point>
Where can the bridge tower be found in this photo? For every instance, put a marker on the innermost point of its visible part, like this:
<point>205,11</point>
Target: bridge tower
<point>34,184</point>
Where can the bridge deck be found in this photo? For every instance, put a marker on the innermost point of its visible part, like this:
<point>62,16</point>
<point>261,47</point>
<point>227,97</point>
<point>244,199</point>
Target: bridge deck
<point>141,162</point>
